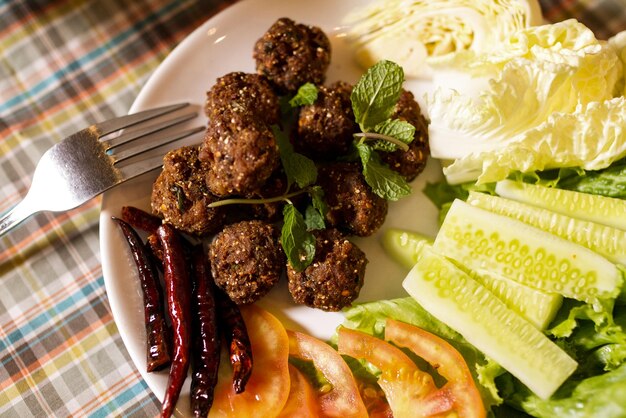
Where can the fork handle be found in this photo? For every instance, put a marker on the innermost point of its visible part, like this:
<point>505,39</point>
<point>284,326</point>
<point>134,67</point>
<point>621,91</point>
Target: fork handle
<point>15,216</point>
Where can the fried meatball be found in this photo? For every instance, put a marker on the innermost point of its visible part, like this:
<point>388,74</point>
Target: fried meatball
<point>180,195</point>
<point>243,92</point>
<point>409,163</point>
<point>352,205</point>
<point>292,54</point>
<point>247,260</point>
<point>325,128</point>
<point>335,277</point>
<point>241,153</point>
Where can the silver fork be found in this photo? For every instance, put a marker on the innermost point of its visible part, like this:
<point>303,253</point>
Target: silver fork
<point>86,164</point>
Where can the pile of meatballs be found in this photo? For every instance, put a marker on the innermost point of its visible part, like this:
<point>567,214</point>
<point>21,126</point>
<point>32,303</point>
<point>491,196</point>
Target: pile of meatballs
<point>239,157</point>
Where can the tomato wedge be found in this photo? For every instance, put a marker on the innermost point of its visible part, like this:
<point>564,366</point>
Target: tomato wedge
<point>343,400</point>
<point>448,362</point>
<point>302,400</point>
<point>268,388</point>
<point>410,391</point>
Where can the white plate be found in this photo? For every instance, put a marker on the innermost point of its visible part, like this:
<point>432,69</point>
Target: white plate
<point>221,45</point>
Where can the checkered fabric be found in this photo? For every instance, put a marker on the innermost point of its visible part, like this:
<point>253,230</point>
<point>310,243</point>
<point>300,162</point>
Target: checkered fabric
<point>63,65</point>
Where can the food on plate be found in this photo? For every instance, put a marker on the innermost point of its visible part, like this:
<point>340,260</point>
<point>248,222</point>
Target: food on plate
<point>206,344</point>
<point>141,219</point>
<point>301,402</point>
<point>602,239</point>
<point>305,160</point>
<point>538,307</point>
<point>456,299</point>
<point>177,286</point>
<point>410,391</point>
<point>340,396</point>
<point>334,278</point>
<point>180,195</point>
<point>352,205</point>
<point>483,240</point>
<point>594,208</point>
<point>326,127</point>
<point>448,362</point>
<point>240,152</point>
<point>235,332</point>
<point>268,387</point>
<point>239,92</point>
<point>247,260</point>
<point>423,36</point>
<point>291,54</point>
<point>157,335</point>
<point>550,102</point>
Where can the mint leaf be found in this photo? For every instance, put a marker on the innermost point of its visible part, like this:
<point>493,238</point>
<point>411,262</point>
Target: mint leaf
<point>297,242</point>
<point>306,95</point>
<point>313,219</point>
<point>317,199</point>
<point>385,182</point>
<point>395,128</point>
<point>316,211</point>
<point>298,168</point>
<point>376,94</point>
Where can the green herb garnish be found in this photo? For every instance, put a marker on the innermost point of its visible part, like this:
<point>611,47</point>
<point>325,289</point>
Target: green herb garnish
<point>298,168</point>
<point>374,98</point>
<point>375,95</point>
<point>297,242</point>
<point>385,182</point>
<point>306,95</point>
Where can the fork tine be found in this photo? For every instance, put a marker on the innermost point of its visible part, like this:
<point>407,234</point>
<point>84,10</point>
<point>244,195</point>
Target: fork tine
<point>131,136</point>
<point>115,124</point>
<point>141,167</point>
<point>157,140</point>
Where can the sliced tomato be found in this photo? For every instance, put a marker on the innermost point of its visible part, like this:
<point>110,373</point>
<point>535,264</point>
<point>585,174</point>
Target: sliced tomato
<point>302,400</point>
<point>343,399</point>
<point>410,391</point>
<point>268,388</point>
<point>448,362</point>
<point>374,399</point>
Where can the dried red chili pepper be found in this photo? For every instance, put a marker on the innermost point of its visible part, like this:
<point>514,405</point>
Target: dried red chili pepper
<point>206,340</point>
<point>178,302</point>
<point>236,335</point>
<point>141,219</point>
<point>154,244</point>
<point>157,333</point>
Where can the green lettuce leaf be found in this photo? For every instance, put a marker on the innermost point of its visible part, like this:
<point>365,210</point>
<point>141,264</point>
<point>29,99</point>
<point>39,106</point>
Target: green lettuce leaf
<point>603,396</point>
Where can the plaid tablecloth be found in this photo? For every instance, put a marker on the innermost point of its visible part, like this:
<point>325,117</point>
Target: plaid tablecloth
<point>65,64</point>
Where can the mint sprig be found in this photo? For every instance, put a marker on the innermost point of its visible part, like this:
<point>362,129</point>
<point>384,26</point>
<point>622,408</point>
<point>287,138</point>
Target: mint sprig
<point>385,182</point>
<point>297,242</point>
<point>306,95</point>
<point>298,168</point>
<point>397,129</point>
<point>374,99</point>
<point>377,92</point>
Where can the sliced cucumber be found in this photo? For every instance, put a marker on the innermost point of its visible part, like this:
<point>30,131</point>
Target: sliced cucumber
<point>485,241</point>
<point>601,209</point>
<point>537,307</point>
<point>603,239</point>
<point>404,246</point>
<point>465,305</point>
